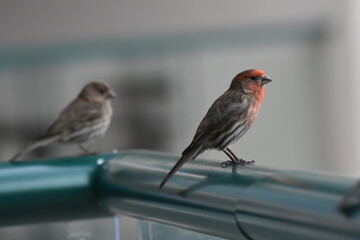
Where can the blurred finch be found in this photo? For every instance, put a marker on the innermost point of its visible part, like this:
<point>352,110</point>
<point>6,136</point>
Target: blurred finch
<point>86,118</point>
<point>230,116</point>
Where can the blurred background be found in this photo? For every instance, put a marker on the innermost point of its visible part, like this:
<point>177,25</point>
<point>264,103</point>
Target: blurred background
<point>169,60</point>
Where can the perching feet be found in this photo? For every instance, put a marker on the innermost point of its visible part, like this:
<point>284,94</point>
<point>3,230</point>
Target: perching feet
<point>237,161</point>
<point>91,152</point>
<point>87,151</point>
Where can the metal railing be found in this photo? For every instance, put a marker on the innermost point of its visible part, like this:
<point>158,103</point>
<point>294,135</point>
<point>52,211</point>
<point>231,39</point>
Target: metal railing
<point>240,202</point>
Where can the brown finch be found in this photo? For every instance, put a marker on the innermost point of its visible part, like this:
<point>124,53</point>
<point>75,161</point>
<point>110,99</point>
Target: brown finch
<point>86,118</point>
<point>227,120</point>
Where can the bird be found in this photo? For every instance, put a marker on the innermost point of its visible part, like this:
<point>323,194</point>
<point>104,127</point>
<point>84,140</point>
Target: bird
<point>84,119</point>
<point>227,120</point>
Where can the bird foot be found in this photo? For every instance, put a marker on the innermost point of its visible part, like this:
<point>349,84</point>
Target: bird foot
<point>90,152</point>
<point>238,161</point>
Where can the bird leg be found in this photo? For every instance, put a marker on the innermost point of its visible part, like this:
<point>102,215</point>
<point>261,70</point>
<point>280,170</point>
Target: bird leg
<point>87,151</point>
<point>227,163</point>
<point>234,159</point>
<point>240,161</point>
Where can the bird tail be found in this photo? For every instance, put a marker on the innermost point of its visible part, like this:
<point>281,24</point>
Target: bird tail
<point>40,142</point>
<point>189,154</point>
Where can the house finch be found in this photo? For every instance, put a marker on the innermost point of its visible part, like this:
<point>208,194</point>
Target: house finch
<point>86,118</point>
<point>230,116</point>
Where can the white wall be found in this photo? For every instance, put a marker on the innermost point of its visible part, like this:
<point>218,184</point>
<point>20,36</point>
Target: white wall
<point>303,122</point>
<point>50,22</point>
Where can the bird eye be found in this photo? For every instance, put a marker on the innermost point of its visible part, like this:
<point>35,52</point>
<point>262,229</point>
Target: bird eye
<point>101,91</point>
<point>253,78</point>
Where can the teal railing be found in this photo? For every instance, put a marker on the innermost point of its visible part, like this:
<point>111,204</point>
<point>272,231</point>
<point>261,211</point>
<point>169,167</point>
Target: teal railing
<point>234,203</point>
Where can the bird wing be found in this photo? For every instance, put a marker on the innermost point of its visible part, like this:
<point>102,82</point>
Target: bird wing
<point>74,115</point>
<point>227,110</point>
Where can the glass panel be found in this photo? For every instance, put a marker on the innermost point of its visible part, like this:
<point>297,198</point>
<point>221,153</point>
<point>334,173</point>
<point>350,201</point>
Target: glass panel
<point>156,231</point>
<point>104,229</point>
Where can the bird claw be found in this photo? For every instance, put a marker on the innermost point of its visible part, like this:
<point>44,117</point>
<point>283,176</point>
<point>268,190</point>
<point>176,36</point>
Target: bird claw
<point>225,164</point>
<point>244,162</point>
<point>89,153</point>
<point>238,161</point>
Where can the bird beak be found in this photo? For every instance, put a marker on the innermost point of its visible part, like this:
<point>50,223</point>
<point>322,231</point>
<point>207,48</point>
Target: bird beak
<point>264,80</point>
<point>111,94</point>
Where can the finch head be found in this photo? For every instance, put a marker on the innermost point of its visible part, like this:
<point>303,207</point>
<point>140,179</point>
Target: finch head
<point>251,80</point>
<point>97,92</point>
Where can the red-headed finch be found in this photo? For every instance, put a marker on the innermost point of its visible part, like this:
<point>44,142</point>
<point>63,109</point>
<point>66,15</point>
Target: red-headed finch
<point>227,120</point>
<point>86,118</point>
